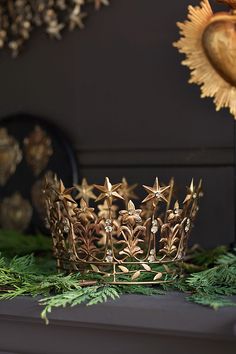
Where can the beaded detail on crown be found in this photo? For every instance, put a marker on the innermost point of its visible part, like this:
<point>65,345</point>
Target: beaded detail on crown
<point>124,245</point>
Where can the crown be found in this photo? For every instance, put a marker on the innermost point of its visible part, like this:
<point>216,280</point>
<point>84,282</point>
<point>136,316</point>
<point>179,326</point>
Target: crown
<point>122,244</point>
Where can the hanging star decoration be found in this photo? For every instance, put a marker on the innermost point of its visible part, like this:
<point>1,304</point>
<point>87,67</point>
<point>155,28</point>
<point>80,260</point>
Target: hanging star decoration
<point>156,193</point>
<point>85,191</point>
<point>208,42</point>
<point>18,18</point>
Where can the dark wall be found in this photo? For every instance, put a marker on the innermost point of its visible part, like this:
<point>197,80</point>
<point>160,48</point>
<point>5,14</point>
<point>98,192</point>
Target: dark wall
<point>117,88</point>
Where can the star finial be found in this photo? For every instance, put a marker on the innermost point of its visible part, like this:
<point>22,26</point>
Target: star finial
<point>63,194</point>
<point>191,194</point>
<point>109,191</point>
<point>85,191</point>
<point>127,191</point>
<point>156,192</point>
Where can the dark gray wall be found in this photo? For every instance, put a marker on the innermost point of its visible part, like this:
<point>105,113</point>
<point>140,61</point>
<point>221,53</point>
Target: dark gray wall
<point>117,88</point>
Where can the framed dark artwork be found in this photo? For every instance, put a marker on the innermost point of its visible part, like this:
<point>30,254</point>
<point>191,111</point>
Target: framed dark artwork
<point>30,148</point>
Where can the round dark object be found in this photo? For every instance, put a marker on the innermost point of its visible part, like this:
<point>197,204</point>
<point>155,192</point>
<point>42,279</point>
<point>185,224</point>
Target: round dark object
<point>26,180</point>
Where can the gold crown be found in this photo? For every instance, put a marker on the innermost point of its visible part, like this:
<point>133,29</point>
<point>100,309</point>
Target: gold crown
<point>129,246</point>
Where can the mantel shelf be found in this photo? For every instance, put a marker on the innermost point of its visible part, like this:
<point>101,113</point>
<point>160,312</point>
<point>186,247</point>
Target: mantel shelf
<point>138,322</point>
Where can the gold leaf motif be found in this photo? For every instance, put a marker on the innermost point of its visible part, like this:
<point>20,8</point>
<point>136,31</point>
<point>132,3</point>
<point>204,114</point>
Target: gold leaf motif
<point>95,268</point>
<point>123,269</point>
<point>136,275</point>
<point>146,267</point>
<point>158,276</point>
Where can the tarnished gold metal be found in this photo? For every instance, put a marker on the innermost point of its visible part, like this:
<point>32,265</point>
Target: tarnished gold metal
<point>38,150</point>
<point>209,42</point>
<point>124,245</point>
<point>10,155</point>
<point>15,213</point>
<point>19,18</point>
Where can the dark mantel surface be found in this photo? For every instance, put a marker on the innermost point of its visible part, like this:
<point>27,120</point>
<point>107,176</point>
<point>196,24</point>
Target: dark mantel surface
<point>132,324</point>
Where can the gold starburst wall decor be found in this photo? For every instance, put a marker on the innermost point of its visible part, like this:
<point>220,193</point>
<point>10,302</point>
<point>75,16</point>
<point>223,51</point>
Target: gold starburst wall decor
<point>18,18</point>
<point>209,42</point>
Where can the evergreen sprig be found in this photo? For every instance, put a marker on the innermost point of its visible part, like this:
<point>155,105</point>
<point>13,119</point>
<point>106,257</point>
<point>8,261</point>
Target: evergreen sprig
<point>28,276</point>
<point>213,301</point>
<point>13,242</point>
<point>91,295</point>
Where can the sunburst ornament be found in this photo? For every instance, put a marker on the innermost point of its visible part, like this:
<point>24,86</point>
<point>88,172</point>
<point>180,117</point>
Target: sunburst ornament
<point>209,42</point>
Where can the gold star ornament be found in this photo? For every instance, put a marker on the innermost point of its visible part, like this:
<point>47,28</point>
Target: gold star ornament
<point>193,192</point>
<point>156,193</point>
<point>127,191</point>
<point>85,191</point>
<point>64,194</point>
<point>109,191</point>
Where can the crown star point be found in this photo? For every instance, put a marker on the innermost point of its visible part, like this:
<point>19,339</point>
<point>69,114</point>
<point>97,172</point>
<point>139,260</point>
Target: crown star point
<point>109,191</point>
<point>85,191</point>
<point>64,194</point>
<point>127,191</point>
<point>156,192</point>
<point>192,192</point>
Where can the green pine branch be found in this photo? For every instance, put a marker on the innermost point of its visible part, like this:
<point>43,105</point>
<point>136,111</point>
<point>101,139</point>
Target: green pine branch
<point>89,295</point>
<point>211,285</point>
<point>13,242</point>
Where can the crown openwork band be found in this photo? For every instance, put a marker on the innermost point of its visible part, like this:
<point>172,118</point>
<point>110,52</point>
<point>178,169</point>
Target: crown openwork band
<point>113,239</point>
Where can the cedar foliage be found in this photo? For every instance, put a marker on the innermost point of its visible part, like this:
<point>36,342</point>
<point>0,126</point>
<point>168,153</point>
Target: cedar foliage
<point>209,280</point>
